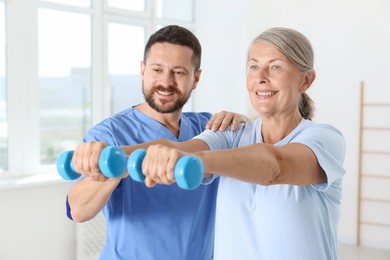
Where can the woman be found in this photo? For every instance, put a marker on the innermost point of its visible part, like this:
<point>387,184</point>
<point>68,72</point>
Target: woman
<point>280,175</point>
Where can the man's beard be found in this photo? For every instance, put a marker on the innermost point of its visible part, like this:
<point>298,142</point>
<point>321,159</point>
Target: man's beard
<point>175,106</point>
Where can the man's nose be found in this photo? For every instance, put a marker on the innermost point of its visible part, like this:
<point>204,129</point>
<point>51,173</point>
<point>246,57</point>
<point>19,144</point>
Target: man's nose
<point>167,79</point>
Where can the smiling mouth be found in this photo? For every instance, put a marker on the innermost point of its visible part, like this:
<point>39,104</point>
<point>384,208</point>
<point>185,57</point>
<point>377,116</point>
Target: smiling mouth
<point>165,93</point>
<point>265,93</point>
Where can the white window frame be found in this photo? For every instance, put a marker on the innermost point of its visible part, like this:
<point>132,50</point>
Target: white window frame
<point>6,76</point>
<point>23,80</point>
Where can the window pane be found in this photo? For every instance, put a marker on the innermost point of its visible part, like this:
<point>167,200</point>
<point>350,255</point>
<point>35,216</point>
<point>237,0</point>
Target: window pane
<point>80,3</point>
<point>3,100</point>
<point>133,5</point>
<point>125,53</point>
<point>181,10</point>
<point>65,80</point>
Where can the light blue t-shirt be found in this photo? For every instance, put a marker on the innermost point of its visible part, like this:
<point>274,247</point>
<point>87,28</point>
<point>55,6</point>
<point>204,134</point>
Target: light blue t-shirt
<point>280,222</point>
<point>160,223</point>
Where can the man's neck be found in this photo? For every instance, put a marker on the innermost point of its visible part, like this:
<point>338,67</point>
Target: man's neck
<point>170,120</point>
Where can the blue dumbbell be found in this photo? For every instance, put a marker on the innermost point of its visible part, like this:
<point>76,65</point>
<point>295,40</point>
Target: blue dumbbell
<point>112,163</point>
<point>188,170</point>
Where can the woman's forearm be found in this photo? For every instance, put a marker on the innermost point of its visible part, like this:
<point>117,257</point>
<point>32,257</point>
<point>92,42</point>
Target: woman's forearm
<point>265,164</point>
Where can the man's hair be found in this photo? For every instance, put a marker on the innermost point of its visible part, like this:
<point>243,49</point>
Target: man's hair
<point>176,35</point>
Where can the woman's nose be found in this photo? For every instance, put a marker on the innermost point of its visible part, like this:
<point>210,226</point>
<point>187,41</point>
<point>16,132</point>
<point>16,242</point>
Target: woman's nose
<point>262,77</point>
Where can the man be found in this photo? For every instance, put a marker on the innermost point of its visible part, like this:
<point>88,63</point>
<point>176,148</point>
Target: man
<point>163,222</point>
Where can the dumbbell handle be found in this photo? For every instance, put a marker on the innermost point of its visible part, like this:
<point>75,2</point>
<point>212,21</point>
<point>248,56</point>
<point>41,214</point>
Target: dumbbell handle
<point>188,170</point>
<point>112,163</point>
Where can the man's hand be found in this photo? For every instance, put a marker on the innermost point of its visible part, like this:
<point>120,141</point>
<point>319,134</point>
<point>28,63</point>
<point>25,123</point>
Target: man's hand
<point>220,121</point>
<point>86,160</point>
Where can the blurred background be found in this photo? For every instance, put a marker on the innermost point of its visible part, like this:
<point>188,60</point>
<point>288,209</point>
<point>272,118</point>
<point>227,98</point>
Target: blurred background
<point>66,65</point>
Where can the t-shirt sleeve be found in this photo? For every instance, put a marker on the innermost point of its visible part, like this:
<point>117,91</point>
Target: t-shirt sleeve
<point>217,140</point>
<point>328,145</point>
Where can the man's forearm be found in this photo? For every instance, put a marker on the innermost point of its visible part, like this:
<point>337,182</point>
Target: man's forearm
<point>87,197</point>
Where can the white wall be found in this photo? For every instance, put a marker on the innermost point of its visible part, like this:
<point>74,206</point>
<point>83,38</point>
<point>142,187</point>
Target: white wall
<point>351,39</point>
<point>33,224</point>
<point>222,31</point>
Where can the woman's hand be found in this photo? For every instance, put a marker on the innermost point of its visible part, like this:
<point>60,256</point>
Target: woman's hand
<point>159,164</point>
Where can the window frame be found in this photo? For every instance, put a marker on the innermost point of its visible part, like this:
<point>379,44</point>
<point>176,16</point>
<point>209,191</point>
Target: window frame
<point>5,79</point>
<point>22,79</point>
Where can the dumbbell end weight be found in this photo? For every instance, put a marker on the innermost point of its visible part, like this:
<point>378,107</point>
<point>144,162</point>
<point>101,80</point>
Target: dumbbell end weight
<point>189,172</point>
<point>65,166</point>
<point>112,161</point>
<point>134,165</point>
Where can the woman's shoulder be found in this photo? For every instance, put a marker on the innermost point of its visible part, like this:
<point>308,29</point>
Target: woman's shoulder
<point>323,136</point>
<point>310,126</point>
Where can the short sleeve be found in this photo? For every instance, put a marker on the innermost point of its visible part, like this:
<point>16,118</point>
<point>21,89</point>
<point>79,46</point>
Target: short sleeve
<point>217,140</point>
<point>328,145</point>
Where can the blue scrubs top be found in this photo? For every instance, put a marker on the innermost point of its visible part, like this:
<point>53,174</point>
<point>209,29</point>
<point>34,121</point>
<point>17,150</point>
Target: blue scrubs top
<point>164,222</point>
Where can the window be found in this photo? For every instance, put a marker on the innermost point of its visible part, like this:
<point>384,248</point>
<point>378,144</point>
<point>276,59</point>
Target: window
<point>64,63</point>
<point>80,3</point>
<point>181,10</point>
<point>125,52</point>
<point>78,63</point>
<point>3,99</point>
<point>134,5</point>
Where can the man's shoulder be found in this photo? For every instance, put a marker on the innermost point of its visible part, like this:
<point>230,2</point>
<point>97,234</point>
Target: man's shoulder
<point>199,116</point>
<point>115,122</point>
<point>127,115</point>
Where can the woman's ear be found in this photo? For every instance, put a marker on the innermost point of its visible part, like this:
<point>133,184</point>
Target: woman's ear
<point>309,77</point>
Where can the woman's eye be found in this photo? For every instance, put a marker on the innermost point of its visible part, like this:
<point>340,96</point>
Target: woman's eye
<point>253,67</point>
<point>275,67</point>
